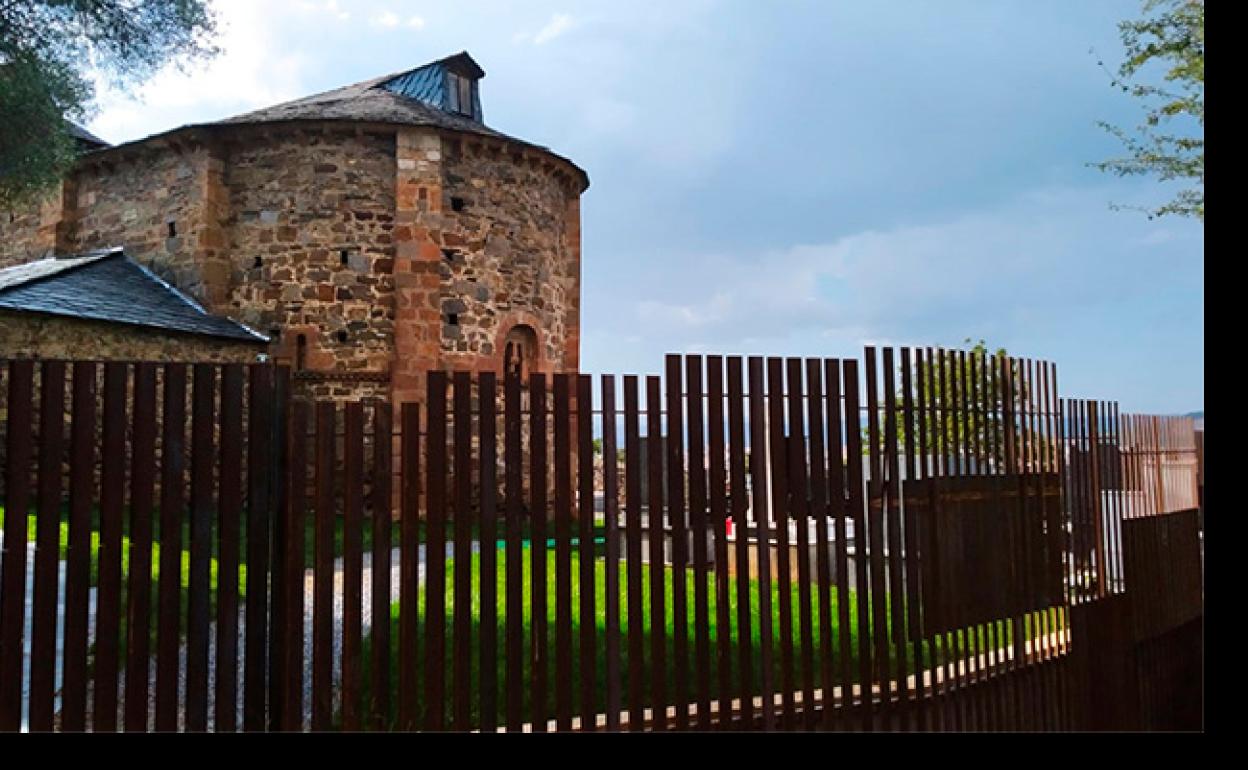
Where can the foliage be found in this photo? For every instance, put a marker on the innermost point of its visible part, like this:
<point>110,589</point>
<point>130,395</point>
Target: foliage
<point>50,51</point>
<point>1169,144</point>
<point>958,404</point>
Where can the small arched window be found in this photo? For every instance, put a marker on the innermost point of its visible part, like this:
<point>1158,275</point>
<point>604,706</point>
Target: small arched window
<point>519,351</point>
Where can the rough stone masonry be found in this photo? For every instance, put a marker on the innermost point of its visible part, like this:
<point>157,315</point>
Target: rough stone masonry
<point>373,232</point>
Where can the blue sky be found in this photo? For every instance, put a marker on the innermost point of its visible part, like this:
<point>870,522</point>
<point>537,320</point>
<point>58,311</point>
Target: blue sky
<point>793,178</point>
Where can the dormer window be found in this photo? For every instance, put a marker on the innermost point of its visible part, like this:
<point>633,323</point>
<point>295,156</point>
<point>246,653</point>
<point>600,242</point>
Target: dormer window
<point>448,84</point>
<point>461,94</point>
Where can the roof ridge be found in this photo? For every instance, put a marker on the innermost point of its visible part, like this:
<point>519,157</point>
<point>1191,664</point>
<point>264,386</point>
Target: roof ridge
<point>57,264</point>
<point>41,287</point>
<point>175,291</point>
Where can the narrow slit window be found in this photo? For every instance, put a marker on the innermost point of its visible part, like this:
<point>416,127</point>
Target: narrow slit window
<point>452,91</point>
<point>465,96</point>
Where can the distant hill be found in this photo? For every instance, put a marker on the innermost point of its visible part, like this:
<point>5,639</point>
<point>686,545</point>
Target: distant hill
<point>1199,417</point>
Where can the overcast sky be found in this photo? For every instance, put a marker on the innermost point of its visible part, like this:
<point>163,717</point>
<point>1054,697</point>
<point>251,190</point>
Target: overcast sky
<point>793,178</point>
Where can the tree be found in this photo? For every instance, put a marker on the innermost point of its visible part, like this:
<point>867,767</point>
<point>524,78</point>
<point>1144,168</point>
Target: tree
<point>961,403</point>
<point>49,51</point>
<point>1170,142</point>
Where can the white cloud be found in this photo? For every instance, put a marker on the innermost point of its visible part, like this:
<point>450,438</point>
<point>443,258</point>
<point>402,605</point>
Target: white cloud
<point>329,7</point>
<point>558,24</point>
<point>250,72</point>
<point>386,19</point>
<point>391,20</point>
<point>996,273</point>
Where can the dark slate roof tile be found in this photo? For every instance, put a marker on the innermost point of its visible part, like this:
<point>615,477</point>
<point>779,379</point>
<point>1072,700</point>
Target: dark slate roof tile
<point>109,286</point>
<point>374,101</point>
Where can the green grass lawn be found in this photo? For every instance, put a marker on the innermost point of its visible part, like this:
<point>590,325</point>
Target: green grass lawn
<point>571,673</point>
<point>309,540</point>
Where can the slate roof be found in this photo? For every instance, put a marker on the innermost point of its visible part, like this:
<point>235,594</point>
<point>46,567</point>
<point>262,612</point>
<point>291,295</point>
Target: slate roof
<point>367,101</point>
<point>87,139</point>
<point>372,101</point>
<point>109,286</point>
<point>376,100</point>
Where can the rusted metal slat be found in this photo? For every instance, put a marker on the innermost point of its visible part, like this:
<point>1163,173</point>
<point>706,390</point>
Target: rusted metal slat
<point>739,507</point>
<point>275,556</point>
<point>78,552</point>
<point>539,512</point>
<point>296,521</point>
<point>18,453</point>
<point>563,553</point>
<point>698,536</point>
<point>674,446</point>
<point>513,478</point>
<point>229,513</point>
<point>863,591</point>
<point>47,537</point>
<point>352,564</point>
<point>112,504</point>
<point>435,553</point>
<point>139,580</point>
<point>819,516</point>
<point>892,511</point>
<point>461,671</point>
<point>261,407</point>
<point>487,394</point>
<point>655,521</point>
<point>717,521</point>
<point>409,556</point>
<point>875,538</point>
<point>633,471</point>
<point>919,697</point>
<point>611,531</point>
<point>172,514</point>
<point>203,502</point>
<point>839,512</point>
<point>800,510</point>
<point>380,503</point>
<point>759,506</point>
<point>323,568</point>
<point>780,515</point>
<point>588,618</point>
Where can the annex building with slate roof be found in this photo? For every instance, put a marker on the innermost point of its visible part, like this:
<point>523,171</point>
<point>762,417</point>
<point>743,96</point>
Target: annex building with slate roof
<point>76,305</point>
<point>363,235</point>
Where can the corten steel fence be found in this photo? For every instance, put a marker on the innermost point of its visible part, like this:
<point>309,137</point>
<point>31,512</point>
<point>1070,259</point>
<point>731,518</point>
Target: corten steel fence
<point>915,540</point>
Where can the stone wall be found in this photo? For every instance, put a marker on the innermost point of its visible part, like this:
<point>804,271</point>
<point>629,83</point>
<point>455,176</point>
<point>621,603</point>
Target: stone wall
<point>30,335</point>
<point>309,231</point>
<point>487,237</point>
<point>152,203</point>
<point>509,255</point>
<point>370,254</point>
<point>30,232</point>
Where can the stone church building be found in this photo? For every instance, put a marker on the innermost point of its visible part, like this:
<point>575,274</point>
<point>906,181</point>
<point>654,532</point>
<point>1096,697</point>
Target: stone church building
<point>363,236</point>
